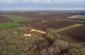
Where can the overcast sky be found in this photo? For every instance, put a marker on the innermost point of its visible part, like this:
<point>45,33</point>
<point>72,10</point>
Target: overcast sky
<point>42,4</point>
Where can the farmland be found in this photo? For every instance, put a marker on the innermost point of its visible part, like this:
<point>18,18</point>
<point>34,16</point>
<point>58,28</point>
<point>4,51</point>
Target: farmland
<point>62,32</point>
<point>4,19</point>
<point>8,24</point>
<point>43,20</point>
<point>68,27</point>
<point>17,18</point>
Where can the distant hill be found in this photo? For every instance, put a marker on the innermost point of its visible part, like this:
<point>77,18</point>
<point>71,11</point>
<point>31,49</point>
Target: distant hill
<point>55,11</point>
<point>82,12</point>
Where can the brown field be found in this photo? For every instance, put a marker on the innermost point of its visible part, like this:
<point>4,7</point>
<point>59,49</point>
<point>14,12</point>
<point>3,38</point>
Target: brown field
<point>46,25</point>
<point>76,33</point>
<point>44,15</point>
<point>4,19</point>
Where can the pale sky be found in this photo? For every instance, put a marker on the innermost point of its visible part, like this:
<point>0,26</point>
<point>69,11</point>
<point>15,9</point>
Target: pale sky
<point>42,4</point>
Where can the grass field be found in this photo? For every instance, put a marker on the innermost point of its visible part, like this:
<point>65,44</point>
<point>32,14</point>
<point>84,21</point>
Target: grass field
<point>68,27</point>
<point>17,18</point>
<point>82,17</point>
<point>77,20</point>
<point>8,24</point>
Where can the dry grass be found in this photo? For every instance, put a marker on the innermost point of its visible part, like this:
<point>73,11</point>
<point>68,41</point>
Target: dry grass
<point>13,42</point>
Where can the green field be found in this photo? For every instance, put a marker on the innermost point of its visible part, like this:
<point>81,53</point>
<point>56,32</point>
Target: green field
<point>68,27</point>
<point>17,18</point>
<point>77,20</point>
<point>82,17</point>
<point>8,24</point>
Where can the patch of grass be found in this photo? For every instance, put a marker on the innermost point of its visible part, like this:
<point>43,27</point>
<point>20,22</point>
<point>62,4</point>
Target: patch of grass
<point>17,18</point>
<point>8,24</point>
<point>77,20</point>
<point>67,38</point>
<point>82,17</point>
<point>68,27</point>
<point>1,51</point>
<point>76,46</point>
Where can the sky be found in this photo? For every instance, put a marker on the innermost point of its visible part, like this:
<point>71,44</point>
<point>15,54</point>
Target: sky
<point>42,4</point>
